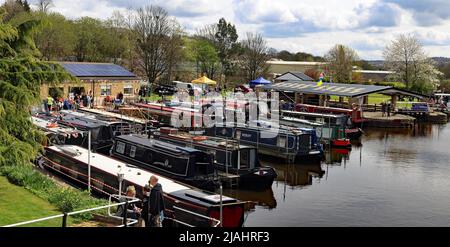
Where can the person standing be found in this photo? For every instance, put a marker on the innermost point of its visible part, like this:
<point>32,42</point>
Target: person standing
<point>383,109</point>
<point>388,109</point>
<point>49,103</point>
<point>156,203</point>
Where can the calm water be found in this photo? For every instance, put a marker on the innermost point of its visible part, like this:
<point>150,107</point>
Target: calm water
<point>394,178</point>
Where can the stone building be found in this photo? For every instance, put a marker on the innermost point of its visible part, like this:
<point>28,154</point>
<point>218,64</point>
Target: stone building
<point>99,79</point>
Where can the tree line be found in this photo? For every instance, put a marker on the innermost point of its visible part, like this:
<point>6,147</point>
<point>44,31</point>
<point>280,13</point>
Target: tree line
<point>152,44</point>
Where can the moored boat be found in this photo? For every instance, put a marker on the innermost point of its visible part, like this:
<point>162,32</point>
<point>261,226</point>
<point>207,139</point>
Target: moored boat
<point>294,144</point>
<point>71,162</point>
<point>230,157</point>
<point>185,164</point>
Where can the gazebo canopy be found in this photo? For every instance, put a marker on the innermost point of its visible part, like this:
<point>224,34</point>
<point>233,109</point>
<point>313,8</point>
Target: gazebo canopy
<point>260,81</point>
<point>204,80</point>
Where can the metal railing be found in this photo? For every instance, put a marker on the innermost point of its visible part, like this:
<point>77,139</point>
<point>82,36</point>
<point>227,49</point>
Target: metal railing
<point>125,220</point>
<point>64,216</point>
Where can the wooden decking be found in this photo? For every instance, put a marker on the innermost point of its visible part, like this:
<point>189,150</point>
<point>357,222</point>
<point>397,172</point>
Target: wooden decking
<point>376,119</point>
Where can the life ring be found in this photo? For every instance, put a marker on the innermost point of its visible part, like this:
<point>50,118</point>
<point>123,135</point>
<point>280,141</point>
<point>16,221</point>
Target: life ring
<point>52,125</point>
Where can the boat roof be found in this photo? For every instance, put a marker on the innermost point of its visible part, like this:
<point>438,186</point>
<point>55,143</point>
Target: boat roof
<point>315,114</point>
<point>115,115</point>
<point>90,116</point>
<point>43,124</point>
<point>131,173</point>
<point>210,141</point>
<point>146,142</point>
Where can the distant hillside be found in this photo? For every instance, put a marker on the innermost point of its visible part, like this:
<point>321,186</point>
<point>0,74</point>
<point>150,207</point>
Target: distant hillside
<point>439,61</point>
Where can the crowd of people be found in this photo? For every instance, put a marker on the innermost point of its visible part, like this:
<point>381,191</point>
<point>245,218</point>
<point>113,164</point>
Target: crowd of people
<point>150,211</point>
<point>72,102</point>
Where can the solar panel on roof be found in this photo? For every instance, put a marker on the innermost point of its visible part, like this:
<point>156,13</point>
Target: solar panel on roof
<point>96,70</point>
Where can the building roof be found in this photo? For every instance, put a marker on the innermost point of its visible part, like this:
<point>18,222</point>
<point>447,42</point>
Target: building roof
<point>374,71</point>
<point>293,76</point>
<point>337,89</point>
<point>306,63</point>
<point>97,71</point>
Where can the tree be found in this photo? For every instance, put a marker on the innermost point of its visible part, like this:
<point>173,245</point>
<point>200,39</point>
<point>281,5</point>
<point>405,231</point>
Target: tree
<point>20,77</point>
<point>254,58</point>
<point>118,38</point>
<point>44,5</point>
<point>92,40</point>
<point>341,59</point>
<point>55,37</point>
<point>406,57</point>
<point>11,8</point>
<point>205,56</point>
<point>226,40</point>
<point>157,37</point>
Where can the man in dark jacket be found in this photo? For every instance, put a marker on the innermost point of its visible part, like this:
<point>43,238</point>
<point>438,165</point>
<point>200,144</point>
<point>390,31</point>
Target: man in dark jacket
<point>155,203</point>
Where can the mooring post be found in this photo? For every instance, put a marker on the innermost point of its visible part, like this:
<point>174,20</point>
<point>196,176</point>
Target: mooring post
<point>125,209</point>
<point>64,220</point>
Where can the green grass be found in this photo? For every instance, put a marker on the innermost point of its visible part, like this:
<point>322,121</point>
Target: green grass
<point>17,204</point>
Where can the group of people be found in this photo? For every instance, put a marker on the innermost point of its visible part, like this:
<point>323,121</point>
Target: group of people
<point>386,109</point>
<point>69,103</point>
<point>150,212</point>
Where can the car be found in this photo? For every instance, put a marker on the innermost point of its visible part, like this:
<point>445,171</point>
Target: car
<point>164,90</point>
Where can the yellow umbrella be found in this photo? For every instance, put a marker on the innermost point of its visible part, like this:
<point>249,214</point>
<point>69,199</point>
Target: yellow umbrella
<point>204,80</point>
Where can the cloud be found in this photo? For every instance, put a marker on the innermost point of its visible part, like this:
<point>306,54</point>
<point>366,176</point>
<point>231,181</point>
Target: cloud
<point>426,13</point>
<point>308,25</point>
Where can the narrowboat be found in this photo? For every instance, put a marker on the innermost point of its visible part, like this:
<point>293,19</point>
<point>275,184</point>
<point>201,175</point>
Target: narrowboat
<point>230,157</point>
<point>118,126</point>
<point>182,201</point>
<point>101,134</point>
<point>294,144</point>
<point>355,115</point>
<point>330,135</point>
<point>185,164</point>
<point>57,134</point>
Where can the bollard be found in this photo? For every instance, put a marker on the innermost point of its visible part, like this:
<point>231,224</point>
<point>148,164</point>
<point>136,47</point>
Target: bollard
<point>125,214</point>
<point>64,220</point>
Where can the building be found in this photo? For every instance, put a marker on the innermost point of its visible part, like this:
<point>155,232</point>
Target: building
<point>373,75</point>
<point>99,79</point>
<point>293,76</point>
<point>280,67</point>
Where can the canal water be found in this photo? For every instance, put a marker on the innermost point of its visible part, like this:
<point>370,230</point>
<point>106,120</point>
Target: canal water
<point>390,178</point>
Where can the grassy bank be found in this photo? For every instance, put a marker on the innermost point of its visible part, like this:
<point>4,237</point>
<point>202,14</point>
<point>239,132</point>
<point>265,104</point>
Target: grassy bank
<point>18,204</point>
<point>53,198</point>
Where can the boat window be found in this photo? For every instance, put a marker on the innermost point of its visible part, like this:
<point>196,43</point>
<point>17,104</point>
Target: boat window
<point>281,141</point>
<point>120,147</point>
<point>133,151</point>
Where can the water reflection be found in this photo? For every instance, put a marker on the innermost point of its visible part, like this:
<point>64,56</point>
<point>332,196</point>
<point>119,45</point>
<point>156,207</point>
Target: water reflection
<point>264,198</point>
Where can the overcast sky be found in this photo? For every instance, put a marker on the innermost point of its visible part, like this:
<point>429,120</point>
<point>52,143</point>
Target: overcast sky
<point>312,26</point>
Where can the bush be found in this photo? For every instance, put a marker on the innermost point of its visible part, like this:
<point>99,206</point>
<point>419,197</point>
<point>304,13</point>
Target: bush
<point>66,199</point>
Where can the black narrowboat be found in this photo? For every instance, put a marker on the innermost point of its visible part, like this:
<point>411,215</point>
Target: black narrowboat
<point>230,157</point>
<point>183,202</point>
<point>293,144</point>
<point>188,165</point>
<point>101,134</point>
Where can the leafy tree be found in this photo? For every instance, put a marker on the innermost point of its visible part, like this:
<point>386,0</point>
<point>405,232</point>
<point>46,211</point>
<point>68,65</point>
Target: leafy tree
<point>21,75</point>
<point>55,37</point>
<point>341,59</point>
<point>90,45</point>
<point>226,41</point>
<point>205,56</point>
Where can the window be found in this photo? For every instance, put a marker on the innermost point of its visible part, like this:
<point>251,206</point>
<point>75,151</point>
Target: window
<point>133,151</point>
<point>105,90</point>
<point>128,90</point>
<point>120,147</point>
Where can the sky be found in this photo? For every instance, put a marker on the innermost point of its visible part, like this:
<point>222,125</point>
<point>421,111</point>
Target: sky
<point>312,26</point>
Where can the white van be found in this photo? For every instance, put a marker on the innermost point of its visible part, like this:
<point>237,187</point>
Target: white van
<point>187,86</point>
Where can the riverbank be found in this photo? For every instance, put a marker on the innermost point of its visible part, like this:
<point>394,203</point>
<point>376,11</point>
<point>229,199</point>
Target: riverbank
<point>18,204</point>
